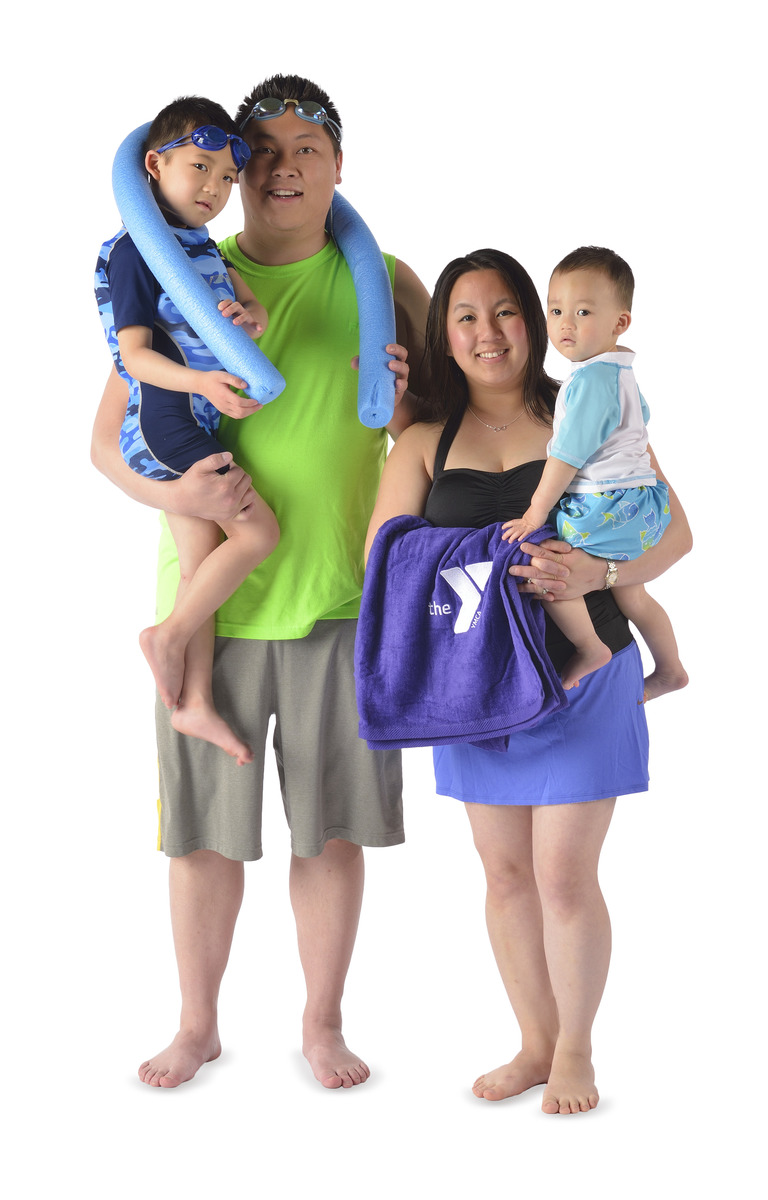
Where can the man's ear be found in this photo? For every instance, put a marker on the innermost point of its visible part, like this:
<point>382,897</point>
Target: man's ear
<point>339,158</point>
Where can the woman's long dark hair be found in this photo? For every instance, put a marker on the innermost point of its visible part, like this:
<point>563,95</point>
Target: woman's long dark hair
<point>447,385</point>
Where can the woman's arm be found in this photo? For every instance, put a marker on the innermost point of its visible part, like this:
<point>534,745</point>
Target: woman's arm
<point>199,492</point>
<point>406,479</point>
<point>559,572</point>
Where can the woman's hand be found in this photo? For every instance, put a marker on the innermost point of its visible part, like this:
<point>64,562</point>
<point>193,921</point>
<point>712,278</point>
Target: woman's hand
<point>557,571</point>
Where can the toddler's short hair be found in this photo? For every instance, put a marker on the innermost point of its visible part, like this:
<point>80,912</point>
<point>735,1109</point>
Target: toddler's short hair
<point>598,258</point>
<point>182,116</point>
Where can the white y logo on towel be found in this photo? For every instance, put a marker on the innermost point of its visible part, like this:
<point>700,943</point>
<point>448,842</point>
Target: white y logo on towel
<point>469,585</point>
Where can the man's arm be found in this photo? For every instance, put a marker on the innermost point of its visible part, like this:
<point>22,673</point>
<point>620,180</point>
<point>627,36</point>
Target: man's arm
<point>411,307</point>
<point>199,492</point>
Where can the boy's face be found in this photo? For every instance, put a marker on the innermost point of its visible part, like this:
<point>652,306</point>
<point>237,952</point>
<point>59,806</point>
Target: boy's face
<point>584,314</point>
<point>288,183</point>
<point>192,184</point>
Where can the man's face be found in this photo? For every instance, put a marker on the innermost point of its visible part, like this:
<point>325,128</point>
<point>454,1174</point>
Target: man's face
<point>289,181</point>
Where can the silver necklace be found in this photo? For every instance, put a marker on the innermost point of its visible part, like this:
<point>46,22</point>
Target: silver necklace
<point>495,428</point>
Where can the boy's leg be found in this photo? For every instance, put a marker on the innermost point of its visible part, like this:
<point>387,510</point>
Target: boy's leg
<point>211,570</point>
<point>180,649</point>
<point>572,618</point>
<point>250,538</point>
<point>164,645</point>
<point>196,714</point>
<point>655,628</point>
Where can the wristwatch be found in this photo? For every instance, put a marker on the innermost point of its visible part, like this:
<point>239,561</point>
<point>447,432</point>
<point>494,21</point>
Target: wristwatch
<point>611,575</point>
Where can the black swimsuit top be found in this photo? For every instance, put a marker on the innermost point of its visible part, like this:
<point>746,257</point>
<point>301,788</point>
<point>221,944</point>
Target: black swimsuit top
<point>463,497</point>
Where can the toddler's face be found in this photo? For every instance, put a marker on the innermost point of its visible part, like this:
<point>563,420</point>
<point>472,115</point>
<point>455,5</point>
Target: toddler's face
<point>192,183</point>
<point>584,314</point>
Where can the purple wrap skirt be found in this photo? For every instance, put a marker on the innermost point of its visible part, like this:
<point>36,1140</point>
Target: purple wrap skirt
<point>592,750</point>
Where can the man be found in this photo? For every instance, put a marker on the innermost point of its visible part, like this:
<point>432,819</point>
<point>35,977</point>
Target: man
<point>288,634</point>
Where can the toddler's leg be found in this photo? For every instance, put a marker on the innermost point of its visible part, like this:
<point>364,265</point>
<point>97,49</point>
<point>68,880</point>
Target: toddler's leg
<point>572,618</point>
<point>656,631</point>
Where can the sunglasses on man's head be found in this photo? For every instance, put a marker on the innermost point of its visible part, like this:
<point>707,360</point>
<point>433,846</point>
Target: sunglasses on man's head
<point>308,110</point>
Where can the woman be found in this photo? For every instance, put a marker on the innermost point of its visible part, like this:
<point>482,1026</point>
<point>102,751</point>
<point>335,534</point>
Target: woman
<point>540,812</point>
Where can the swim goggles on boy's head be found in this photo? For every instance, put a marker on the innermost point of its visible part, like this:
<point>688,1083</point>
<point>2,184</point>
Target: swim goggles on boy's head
<point>210,137</point>
<point>309,110</point>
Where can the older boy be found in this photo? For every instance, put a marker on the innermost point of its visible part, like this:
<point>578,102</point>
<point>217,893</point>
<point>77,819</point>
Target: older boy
<point>194,154</point>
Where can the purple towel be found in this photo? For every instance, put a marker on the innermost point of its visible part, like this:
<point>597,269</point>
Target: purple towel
<point>447,649</point>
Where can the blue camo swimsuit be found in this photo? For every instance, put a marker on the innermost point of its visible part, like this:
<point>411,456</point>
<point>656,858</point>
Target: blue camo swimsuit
<point>164,432</point>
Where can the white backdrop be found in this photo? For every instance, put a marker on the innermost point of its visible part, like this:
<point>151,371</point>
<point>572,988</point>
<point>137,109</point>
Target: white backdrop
<point>535,129</point>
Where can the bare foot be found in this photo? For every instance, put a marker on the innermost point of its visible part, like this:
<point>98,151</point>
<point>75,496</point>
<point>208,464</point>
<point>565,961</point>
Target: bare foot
<point>571,1085</point>
<point>584,662</point>
<point>665,680</point>
<point>332,1063</point>
<point>199,719</point>
<point>166,659</point>
<point>524,1072</point>
<point>181,1060</point>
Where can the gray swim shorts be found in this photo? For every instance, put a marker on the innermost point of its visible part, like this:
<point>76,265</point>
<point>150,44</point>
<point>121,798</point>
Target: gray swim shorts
<point>333,786</point>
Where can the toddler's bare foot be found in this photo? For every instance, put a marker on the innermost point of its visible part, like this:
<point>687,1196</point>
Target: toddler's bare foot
<point>166,659</point>
<point>181,1060</point>
<point>584,662</point>
<point>663,680</point>
<point>524,1072</point>
<point>571,1085</point>
<point>332,1063</point>
<point>198,718</point>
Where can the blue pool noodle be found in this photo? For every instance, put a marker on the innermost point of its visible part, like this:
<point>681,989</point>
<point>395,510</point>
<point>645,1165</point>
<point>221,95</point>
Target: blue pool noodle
<point>234,349</point>
<point>169,264</point>
<point>376,312</point>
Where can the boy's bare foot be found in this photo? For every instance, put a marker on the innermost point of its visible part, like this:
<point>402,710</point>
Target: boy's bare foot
<point>181,1060</point>
<point>584,662</point>
<point>332,1063</point>
<point>664,680</point>
<point>199,719</point>
<point>571,1085</point>
<point>166,660</point>
<point>525,1071</point>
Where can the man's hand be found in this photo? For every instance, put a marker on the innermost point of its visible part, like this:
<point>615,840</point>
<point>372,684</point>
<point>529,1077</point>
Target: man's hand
<point>397,364</point>
<point>203,492</point>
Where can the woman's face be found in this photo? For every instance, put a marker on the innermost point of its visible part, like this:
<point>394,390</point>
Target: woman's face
<point>486,332</point>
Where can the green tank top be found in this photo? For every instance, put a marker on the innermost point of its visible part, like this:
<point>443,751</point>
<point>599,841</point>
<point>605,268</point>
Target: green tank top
<point>310,458</point>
